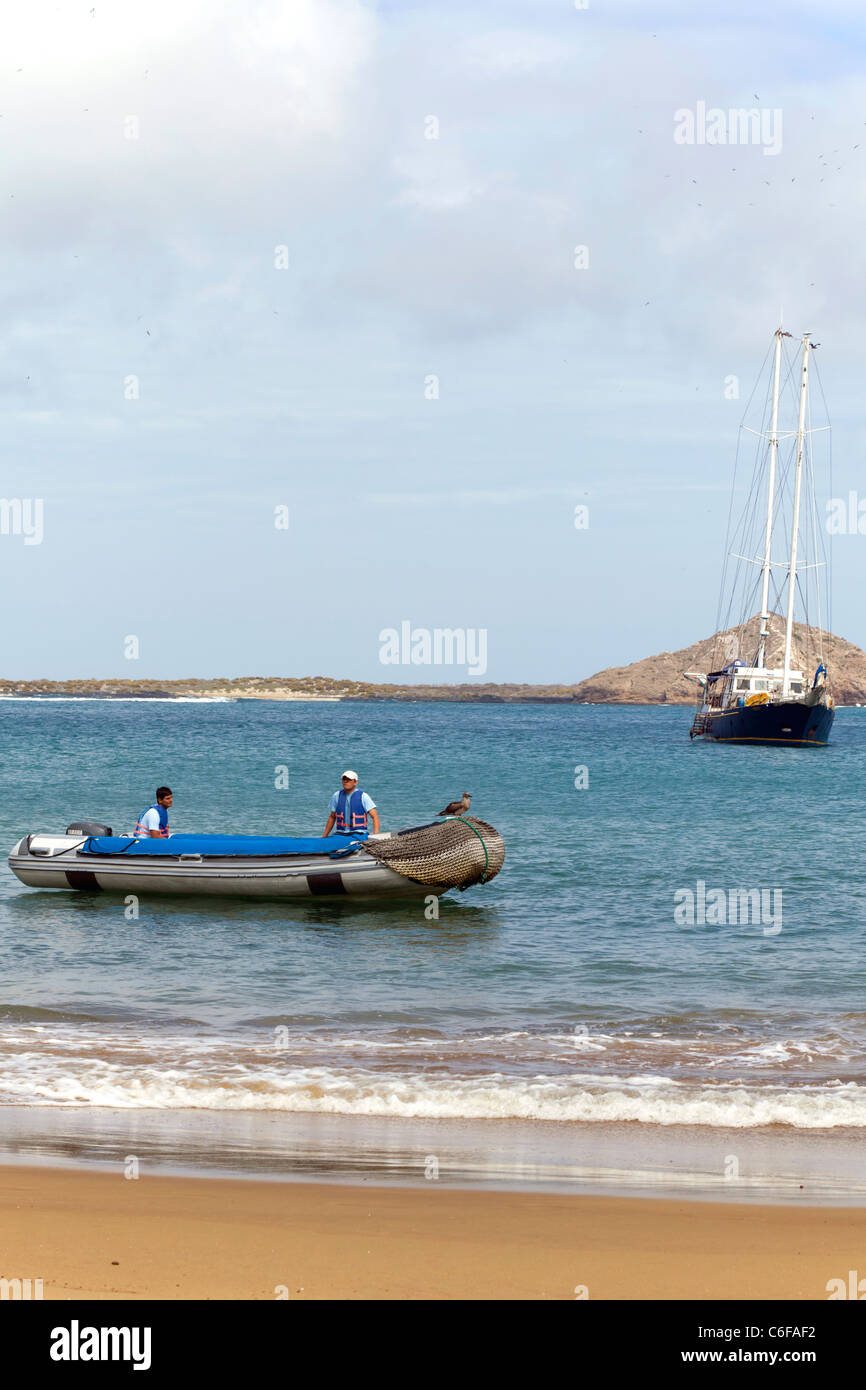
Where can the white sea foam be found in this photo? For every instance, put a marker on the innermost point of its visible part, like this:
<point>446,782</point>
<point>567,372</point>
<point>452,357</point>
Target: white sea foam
<point>202,1074</point>
<point>122,699</point>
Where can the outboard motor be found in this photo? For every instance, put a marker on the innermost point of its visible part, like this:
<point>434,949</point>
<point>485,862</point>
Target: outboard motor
<point>87,827</point>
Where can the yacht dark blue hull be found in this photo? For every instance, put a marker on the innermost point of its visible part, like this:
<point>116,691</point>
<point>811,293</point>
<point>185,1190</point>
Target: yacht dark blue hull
<point>793,723</point>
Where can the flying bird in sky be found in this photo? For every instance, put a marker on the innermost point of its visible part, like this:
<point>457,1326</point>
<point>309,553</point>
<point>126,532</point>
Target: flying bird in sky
<point>457,808</point>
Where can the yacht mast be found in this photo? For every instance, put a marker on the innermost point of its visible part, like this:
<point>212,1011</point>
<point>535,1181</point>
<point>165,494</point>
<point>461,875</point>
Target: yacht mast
<point>795,524</point>
<point>761,659</point>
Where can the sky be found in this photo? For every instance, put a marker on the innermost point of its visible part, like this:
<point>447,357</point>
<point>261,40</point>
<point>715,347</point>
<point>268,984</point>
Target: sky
<point>298,344</point>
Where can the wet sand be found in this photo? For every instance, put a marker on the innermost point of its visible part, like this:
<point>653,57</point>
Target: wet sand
<point>91,1234</point>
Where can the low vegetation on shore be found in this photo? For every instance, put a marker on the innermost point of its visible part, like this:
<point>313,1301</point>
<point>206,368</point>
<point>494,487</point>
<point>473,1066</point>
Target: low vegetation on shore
<point>656,680</point>
<point>288,688</point>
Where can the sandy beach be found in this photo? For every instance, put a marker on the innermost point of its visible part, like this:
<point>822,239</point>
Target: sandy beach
<point>99,1235</point>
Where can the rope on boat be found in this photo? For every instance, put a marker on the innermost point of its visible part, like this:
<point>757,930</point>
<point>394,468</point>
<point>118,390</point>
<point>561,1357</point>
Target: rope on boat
<point>483,878</point>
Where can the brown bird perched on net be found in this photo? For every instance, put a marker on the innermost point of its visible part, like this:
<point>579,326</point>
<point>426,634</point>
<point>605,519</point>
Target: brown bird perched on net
<point>457,808</point>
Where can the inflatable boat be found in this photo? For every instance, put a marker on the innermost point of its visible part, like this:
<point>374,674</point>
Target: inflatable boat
<point>425,859</point>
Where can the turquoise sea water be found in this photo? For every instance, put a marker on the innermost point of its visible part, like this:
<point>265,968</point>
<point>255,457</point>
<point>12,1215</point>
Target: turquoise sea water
<point>565,992</point>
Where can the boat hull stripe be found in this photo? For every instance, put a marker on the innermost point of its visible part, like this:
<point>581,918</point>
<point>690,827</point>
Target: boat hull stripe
<point>326,883</point>
<point>84,880</point>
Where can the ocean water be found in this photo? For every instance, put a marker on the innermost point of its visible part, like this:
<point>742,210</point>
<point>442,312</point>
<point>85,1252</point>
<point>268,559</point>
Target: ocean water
<point>570,995</point>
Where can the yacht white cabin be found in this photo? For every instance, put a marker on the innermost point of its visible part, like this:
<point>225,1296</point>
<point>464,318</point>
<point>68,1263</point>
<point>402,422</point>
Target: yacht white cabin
<point>754,680</point>
<point>739,685</point>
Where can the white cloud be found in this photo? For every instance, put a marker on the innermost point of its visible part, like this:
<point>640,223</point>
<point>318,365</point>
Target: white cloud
<point>303,124</point>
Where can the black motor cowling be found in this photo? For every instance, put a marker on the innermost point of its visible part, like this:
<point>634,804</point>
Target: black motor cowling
<point>87,827</point>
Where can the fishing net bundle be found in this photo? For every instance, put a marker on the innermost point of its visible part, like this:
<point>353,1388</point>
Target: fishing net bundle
<point>449,854</point>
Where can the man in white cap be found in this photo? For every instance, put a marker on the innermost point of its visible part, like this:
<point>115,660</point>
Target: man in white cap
<point>349,808</point>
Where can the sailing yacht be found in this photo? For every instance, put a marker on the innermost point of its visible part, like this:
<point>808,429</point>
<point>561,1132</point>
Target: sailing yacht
<point>774,686</point>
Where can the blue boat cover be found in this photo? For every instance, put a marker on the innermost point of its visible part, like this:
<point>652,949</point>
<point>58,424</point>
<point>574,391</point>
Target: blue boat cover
<point>217,844</point>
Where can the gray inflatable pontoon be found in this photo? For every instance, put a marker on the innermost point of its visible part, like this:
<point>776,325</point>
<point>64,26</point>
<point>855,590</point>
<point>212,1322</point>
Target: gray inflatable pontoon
<point>427,859</point>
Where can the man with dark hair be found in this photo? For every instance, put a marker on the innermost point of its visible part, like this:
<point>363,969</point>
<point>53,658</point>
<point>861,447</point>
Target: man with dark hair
<point>153,823</point>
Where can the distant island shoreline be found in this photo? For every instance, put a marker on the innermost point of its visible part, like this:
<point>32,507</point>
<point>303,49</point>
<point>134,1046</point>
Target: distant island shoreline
<point>655,680</point>
<point>316,689</point>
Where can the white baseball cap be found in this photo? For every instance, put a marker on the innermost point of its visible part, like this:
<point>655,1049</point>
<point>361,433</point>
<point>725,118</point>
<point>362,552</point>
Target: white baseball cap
<point>352,776</point>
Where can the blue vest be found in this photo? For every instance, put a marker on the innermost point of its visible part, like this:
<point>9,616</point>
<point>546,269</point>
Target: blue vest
<point>162,811</point>
<point>352,817</point>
